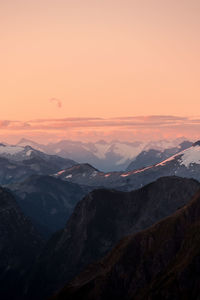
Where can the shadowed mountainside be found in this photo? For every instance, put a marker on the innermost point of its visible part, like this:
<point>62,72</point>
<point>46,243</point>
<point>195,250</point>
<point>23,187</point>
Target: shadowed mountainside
<point>19,245</point>
<point>48,201</point>
<point>98,222</point>
<point>162,262</point>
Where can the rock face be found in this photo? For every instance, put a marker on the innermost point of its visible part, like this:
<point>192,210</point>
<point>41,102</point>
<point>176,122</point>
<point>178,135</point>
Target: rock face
<point>162,262</point>
<point>99,221</point>
<point>19,246</point>
<point>48,201</point>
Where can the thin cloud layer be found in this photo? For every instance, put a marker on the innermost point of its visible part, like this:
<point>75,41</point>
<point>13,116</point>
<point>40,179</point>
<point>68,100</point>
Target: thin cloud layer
<point>121,122</point>
<point>129,128</point>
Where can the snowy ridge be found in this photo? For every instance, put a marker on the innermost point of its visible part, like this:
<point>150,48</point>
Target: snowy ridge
<point>16,153</point>
<point>10,150</point>
<point>171,158</point>
<point>185,157</point>
<point>191,156</point>
<point>185,163</point>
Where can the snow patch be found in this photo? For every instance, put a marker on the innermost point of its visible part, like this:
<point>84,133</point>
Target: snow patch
<point>28,153</point>
<point>191,156</point>
<point>94,174</point>
<point>12,150</point>
<point>101,150</point>
<point>186,157</point>
<point>127,151</point>
<point>125,175</point>
<point>107,175</point>
<point>68,176</point>
<point>60,172</point>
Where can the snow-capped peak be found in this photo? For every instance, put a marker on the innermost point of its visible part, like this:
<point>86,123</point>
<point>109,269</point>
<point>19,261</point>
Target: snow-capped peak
<point>16,152</point>
<point>186,157</point>
<point>191,156</point>
<point>10,150</point>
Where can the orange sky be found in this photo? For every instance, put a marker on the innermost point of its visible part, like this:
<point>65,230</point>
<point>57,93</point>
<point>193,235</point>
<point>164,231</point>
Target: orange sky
<point>99,58</point>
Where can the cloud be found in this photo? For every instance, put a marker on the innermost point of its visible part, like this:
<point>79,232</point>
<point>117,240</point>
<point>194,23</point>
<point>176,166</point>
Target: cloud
<point>129,128</point>
<point>156,122</point>
<point>56,101</point>
<point>132,123</point>
<point>4,124</point>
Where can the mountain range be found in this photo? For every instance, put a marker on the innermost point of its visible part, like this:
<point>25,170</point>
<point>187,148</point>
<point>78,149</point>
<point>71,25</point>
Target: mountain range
<point>17,163</point>
<point>161,262</point>
<point>102,234</point>
<point>106,156</point>
<point>184,164</point>
<point>152,157</point>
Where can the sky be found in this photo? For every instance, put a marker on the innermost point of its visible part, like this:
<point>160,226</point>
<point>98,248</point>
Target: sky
<point>106,59</point>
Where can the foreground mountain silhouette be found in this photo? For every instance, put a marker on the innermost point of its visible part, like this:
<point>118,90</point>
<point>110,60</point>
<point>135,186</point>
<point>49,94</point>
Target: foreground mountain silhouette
<point>19,245</point>
<point>48,201</point>
<point>97,224</point>
<point>162,262</point>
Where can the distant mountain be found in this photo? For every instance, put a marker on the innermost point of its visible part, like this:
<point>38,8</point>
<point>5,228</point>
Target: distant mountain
<point>48,201</point>
<point>98,222</point>
<point>17,163</point>
<point>162,262</point>
<point>19,245</point>
<point>26,142</point>
<point>105,156</point>
<point>184,164</point>
<point>79,173</point>
<point>152,156</point>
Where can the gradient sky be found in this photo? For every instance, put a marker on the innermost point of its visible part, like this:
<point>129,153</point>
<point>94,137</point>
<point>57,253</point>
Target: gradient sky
<point>99,58</point>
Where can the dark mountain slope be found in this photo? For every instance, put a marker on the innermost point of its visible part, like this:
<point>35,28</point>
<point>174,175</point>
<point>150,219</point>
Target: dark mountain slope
<point>48,201</point>
<point>19,246</point>
<point>99,221</point>
<point>79,173</point>
<point>151,157</point>
<point>17,163</point>
<point>162,262</point>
